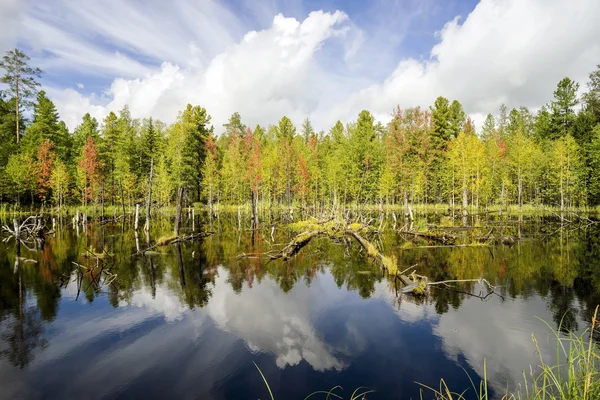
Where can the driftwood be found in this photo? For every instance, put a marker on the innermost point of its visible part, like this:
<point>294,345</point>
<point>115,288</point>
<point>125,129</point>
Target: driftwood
<point>414,284</point>
<point>441,238</point>
<point>334,230</point>
<point>99,273</point>
<point>33,226</point>
<point>174,240</point>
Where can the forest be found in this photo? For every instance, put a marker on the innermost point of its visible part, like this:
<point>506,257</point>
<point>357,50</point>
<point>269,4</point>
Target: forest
<point>545,158</point>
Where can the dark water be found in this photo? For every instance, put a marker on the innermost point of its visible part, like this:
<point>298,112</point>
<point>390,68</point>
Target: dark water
<point>191,321</point>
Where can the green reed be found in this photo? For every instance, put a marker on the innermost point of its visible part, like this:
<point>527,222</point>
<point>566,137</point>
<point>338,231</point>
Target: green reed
<point>574,375</point>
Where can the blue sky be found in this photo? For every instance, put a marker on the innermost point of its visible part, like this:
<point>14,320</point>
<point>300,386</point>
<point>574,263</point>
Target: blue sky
<point>325,60</point>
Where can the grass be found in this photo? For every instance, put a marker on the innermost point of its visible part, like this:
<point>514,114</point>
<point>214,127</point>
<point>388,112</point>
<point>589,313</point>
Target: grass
<point>574,375</point>
<point>358,394</point>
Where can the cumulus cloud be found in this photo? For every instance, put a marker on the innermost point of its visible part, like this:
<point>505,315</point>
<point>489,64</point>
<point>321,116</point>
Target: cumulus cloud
<point>268,73</point>
<point>283,328</point>
<point>323,66</point>
<point>501,343</point>
<point>504,52</point>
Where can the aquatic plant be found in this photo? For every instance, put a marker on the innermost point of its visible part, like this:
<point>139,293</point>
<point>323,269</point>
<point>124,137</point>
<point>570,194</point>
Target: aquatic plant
<point>574,375</point>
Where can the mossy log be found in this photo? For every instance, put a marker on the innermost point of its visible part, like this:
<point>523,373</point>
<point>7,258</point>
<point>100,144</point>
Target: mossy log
<point>173,240</point>
<point>334,230</point>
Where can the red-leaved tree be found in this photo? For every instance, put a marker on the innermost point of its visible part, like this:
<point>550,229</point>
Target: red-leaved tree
<point>45,165</point>
<point>91,168</point>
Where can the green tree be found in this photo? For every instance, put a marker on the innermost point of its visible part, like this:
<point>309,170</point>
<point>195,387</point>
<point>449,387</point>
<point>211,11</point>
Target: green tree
<point>488,129</point>
<point>594,166</point>
<point>234,126</point>
<point>186,147</point>
<point>566,170</point>
<point>307,130</point>
<point>364,158</point>
<point>88,128</point>
<point>543,124</point>
<point>457,118</point>
<point>46,126</point>
<point>211,172</point>
<point>521,158</point>
<point>59,181</point>
<point>591,98</point>
<point>563,107</point>
<point>21,81</point>
<point>21,170</point>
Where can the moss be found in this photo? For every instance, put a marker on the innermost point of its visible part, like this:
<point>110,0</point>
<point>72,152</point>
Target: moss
<point>166,238</point>
<point>407,245</point>
<point>372,250</point>
<point>421,287</point>
<point>356,227</point>
<point>390,263</point>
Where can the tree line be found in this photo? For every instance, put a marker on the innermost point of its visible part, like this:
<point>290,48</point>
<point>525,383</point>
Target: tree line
<point>550,157</point>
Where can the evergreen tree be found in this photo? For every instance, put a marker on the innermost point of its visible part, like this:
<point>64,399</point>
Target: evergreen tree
<point>563,107</point>
<point>488,129</point>
<point>307,130</point>
<point>21,81</point>
<point>88,128</point>
<point>234,126</point>
<point>591,98</point>
<point>45,126</point>
<point>457,118</point>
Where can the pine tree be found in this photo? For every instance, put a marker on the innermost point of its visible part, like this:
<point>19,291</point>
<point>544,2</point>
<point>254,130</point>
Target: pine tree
<point>488,129</point>
<point>307,130</point>
<point>563,107</point>
<point>591,98</point>
<point>234,126</point>
<point>45,126</point>
<point>88,128</point>
<point>21,81</point>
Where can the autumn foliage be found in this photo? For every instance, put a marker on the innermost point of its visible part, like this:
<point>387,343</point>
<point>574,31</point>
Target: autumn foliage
<point>46,156</point>
<point>91,169</point>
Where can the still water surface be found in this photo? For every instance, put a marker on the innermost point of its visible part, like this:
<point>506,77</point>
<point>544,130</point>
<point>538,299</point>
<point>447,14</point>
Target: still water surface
<point>191,321</point>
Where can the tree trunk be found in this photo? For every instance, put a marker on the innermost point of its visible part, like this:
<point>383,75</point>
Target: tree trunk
<point>149,199</point>
<point>254,208</point>
<point>17,108</point>
<point>502,197</point>
<point>122,198</point>
<point>210,202</point>
<point>178,209</point>
<point>520,192</point>
<point>102,200</point>
<point>137,216</point>
<point>465,196</point>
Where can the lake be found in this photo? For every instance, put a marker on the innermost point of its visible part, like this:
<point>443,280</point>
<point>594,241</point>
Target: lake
<point>191,320</point>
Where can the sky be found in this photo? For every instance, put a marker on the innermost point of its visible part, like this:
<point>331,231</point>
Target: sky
<point>325,60</point>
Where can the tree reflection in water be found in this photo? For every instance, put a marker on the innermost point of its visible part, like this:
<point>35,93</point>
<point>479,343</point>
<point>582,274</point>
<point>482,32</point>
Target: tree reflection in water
<point>563,268</point>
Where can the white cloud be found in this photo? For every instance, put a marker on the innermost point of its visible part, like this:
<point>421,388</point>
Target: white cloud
<point>268,73</point>
<point>512,52</point>
<point>80,85</point>
<point>324,66</point>
<point>502,343</point>
<point>283,328</point>
<point>10,15</point>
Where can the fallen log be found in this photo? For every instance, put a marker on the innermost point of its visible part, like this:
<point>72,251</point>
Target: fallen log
<point>174,240</point>
<point>334,230</point>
